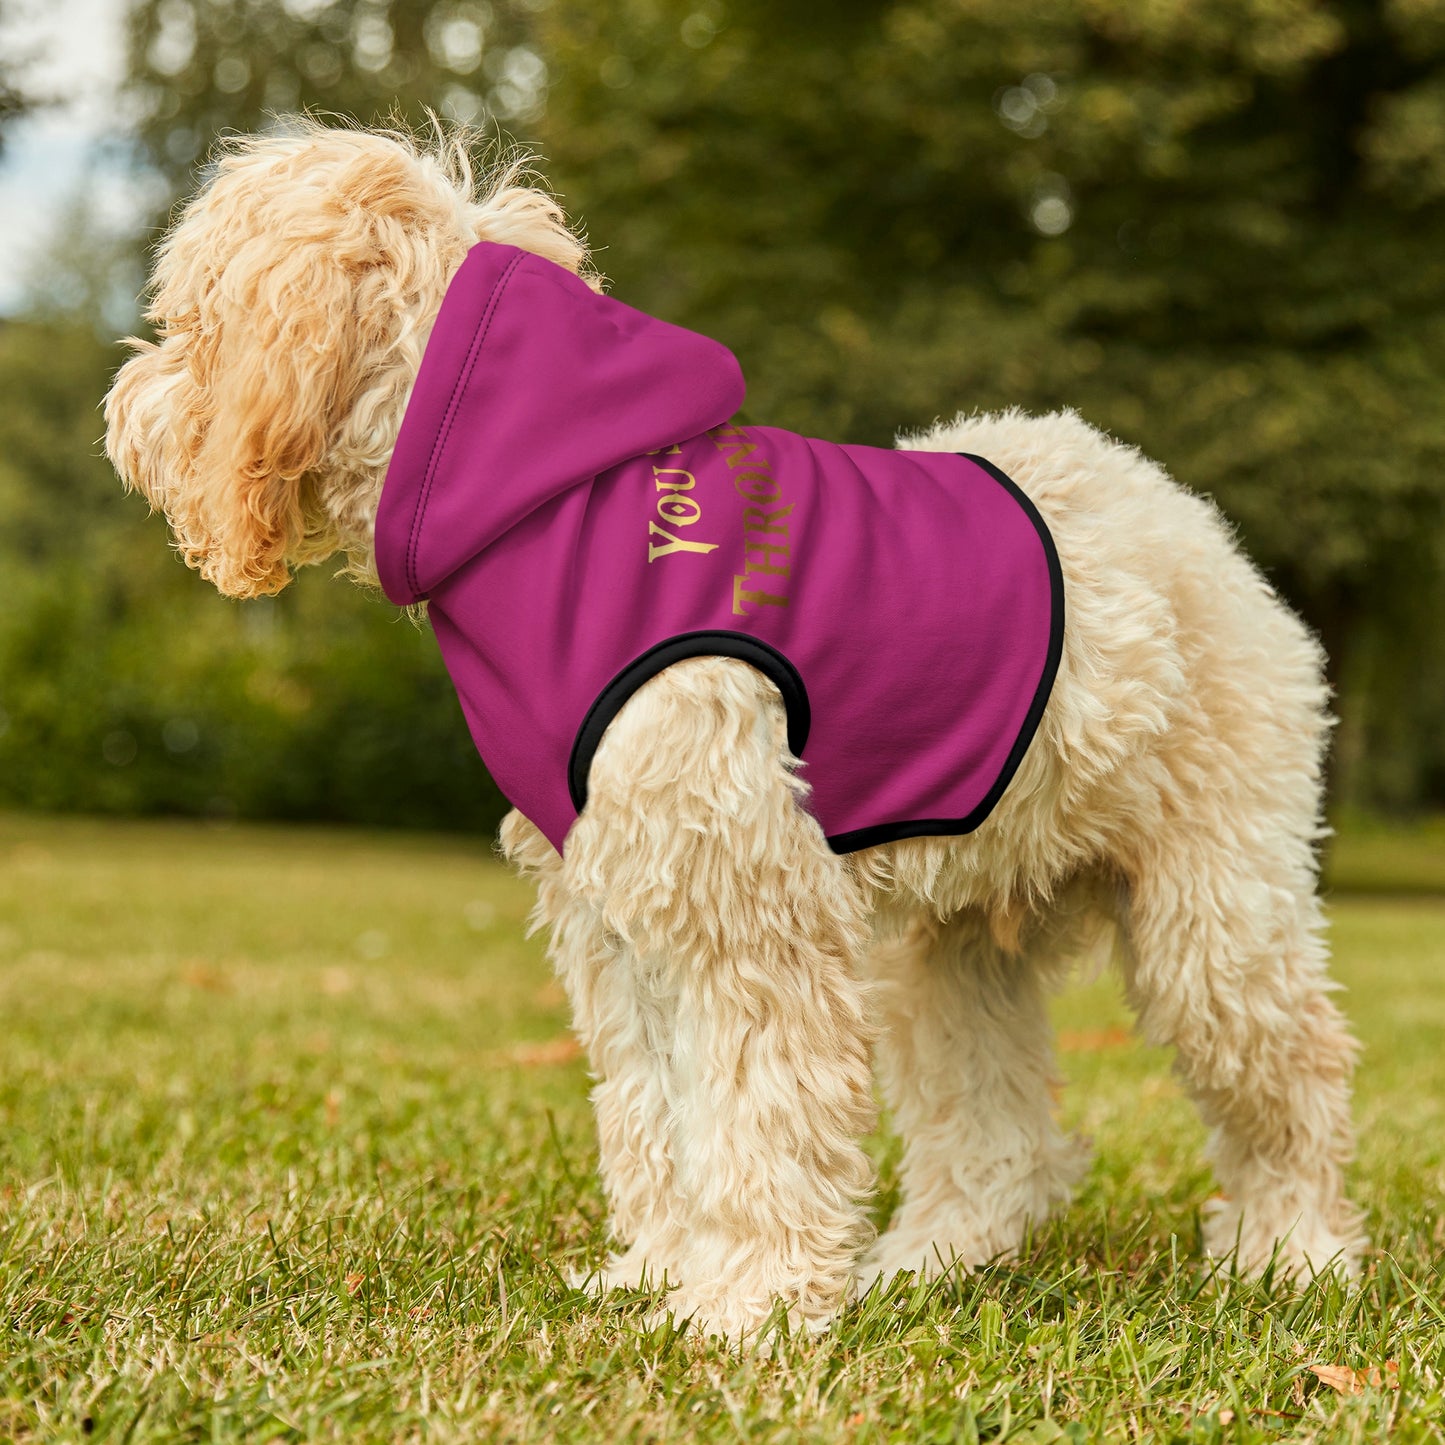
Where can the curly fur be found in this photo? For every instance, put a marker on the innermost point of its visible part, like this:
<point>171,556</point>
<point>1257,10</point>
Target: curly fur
<point>292,301</point>
<point>729,975</point>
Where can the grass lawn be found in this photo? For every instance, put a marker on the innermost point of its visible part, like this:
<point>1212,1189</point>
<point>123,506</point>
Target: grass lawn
<point>293,1146</point>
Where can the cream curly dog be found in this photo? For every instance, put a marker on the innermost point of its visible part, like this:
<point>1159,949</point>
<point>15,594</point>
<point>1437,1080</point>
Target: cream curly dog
<point>731,975</point>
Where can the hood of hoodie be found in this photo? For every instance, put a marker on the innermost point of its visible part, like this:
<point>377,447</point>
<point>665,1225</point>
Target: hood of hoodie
<point>531,384</point>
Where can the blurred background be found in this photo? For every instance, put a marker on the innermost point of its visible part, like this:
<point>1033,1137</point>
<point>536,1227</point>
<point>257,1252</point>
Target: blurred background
<point>1214,227</point>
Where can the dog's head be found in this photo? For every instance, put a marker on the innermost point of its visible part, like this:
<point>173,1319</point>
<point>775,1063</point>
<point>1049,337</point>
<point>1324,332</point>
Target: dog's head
<point>292,301</point>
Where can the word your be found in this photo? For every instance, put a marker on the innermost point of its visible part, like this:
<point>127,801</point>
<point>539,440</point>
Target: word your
<point>674,508</point>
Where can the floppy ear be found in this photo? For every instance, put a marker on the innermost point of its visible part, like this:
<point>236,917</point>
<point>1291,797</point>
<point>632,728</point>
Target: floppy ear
<point>287,300</point>
<point>293,299</point>
<point>222,422</point>
<point>277,368</point>
<point>145,412</point>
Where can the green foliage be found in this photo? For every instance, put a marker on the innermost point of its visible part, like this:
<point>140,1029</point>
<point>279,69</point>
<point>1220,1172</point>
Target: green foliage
<point>201,67</point>
<point>300,708</point>
<point>128,686</point>
<point>1369,856</point>
<point>12,105</point>
<point>1216,229</point>
<point>280,1157</point>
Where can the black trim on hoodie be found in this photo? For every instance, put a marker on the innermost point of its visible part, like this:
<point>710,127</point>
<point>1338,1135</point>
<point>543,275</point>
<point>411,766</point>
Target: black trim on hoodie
<point>708,643</point>
<point>949,827</point>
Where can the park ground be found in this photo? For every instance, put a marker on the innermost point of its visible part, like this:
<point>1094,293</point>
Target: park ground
<point>294,1145</point>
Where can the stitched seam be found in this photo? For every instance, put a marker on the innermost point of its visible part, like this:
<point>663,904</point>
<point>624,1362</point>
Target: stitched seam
<point>439,445</point>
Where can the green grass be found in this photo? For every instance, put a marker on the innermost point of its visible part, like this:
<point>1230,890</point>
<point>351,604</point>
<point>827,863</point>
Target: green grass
<point>284,1155</point>
<point>1370,855</point>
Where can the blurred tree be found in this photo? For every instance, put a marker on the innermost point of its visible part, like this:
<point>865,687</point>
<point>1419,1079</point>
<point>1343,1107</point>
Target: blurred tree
<point>14,100</point>
<point>1211,226</point>
<point>1216,227</point>
<point>201,67</point>
<point>127,685</point>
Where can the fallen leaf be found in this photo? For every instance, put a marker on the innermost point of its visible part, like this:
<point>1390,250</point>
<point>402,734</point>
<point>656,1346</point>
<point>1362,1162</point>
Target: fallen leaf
<point>197,973</point>
<point>561,1050</point>
<point>1347,1381</point>
<point>1091,1041</point>
<point>354,1283</point>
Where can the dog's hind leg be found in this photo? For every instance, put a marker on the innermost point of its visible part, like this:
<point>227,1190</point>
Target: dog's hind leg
<point>966,1060</point>
<point>1228,966</point>
<point>695,853</point>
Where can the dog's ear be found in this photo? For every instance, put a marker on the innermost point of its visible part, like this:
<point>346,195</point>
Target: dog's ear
<point>292,302</point>
<point>148,413</point>
<point>289,301</point>
<point>222,423</point>
<point>279,362</point>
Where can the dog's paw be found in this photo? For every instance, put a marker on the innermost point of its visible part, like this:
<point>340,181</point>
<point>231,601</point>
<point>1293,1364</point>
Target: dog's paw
<point>741,1323</point>
<point>965,1228</point>
<point>895,1256</point>
<point>1298,1245</point>
<point>956,1244</point>
<point>633,1270</point>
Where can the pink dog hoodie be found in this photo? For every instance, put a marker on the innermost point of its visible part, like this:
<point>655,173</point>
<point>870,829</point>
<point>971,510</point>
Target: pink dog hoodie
<point>572,496</point>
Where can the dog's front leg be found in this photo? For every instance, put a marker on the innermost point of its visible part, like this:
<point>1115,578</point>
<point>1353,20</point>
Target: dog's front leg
<point>625,1029</point>
<point>744,930</point>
